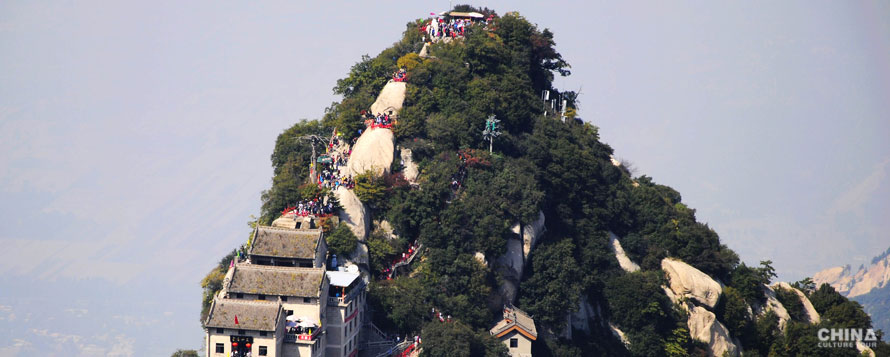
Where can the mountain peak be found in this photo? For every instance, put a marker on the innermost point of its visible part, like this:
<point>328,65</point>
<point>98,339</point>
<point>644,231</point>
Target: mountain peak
<point>851,284</point>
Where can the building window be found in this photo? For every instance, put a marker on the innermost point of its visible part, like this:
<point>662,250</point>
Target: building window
<point>307,300</point>
<point>240,332</point>
<point>261,297</point>
<point>514,342</point>
<point>220,348</point>
<point>284,298</point>
<point>264,351</point>
<point>263,333</point>
<point>239,295</point>
<point>220,330</point>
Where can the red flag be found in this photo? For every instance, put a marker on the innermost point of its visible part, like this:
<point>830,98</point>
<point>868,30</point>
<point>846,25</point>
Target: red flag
<point>236,319</point>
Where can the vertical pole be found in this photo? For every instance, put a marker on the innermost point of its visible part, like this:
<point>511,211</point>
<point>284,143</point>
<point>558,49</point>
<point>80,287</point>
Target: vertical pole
<point>312,168</point>
<point>543,101</point>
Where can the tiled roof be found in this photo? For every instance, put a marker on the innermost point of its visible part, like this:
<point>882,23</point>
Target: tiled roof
<point>518,319</point>
<point>271,280</point>
<point>252,315</point>
<point>285,243</point>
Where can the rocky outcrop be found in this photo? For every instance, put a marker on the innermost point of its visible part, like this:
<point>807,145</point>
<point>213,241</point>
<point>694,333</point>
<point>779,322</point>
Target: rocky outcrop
<point>360,256</point>
<point>689,287</point>
<point>675,299</point>
<point>703,326</point>
<point>623,261</point>
<point>620,334</point>
<point>354,214</point>
<point>384,228</point>
<point>512,261</point>
<point>773,304</point>
<point>425,51</point>
<point>864,350</point>
<point>874,276</point>
<point>390,99</point>
<point>811,315</point>
<point>480,257</point>
<point>510,266</point>
<point>373,152</point>
<point>580,318</point>
<point>507,292</point>
<point>530,234</point>
<point>409,170</point>
<point>689,282</point>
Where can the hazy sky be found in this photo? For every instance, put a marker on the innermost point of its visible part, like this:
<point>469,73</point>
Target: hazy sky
<point>135,139</point>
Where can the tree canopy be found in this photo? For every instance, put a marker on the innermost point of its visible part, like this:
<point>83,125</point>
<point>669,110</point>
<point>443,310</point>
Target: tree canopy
<point>467,201</point>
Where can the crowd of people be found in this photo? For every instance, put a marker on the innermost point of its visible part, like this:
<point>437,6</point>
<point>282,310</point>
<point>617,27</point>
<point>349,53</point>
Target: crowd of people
<point>402,258</point>
<point>382,120</point>
<point>400,76</point>
<point>295,329</point>
<point>438,28</point>
<point>329,173</point>
<point>314,207</point>
<point>330,176</point>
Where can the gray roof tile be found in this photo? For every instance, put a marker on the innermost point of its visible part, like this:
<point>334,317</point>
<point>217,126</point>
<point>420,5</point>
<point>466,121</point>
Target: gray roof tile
<point>252,315</point>
<point>271,280</point>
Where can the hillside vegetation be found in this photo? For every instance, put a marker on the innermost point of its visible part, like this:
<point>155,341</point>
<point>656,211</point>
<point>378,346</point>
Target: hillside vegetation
<point>540,164</point>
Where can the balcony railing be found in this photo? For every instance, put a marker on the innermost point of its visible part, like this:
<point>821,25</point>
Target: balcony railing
<point>302,337</point>
<point>349,296</point>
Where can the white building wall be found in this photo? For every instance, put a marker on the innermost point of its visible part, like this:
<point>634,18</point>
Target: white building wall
<point>343,333</point>
<point>524,344</point>
<point>272,344</point>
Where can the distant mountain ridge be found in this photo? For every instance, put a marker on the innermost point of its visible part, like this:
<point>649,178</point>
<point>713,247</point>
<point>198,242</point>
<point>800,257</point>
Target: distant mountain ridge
<point>870,286</point>
<point>861,282</point>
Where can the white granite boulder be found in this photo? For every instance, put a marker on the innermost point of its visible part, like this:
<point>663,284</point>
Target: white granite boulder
<point>530,234</point>
<point>812,316</point>
<point>354,214</point>
<point>409,169</point>
<point>390,98</point>
<point>703,326</point>
<point>773,304</point>
<point>373,152</point>
<point>687,281</point>
<point>623,261</point>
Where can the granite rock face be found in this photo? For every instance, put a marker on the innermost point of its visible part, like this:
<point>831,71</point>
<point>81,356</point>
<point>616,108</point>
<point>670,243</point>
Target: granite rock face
<point>689,282</point>
<point>703,326</point>
<point>373,152</point>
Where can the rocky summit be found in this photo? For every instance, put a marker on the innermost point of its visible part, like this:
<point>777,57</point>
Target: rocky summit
<point>458,203</point>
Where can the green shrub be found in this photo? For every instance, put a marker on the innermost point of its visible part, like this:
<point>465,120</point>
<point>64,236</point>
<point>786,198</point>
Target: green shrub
<point>370,188</point>
<point>342,242</point>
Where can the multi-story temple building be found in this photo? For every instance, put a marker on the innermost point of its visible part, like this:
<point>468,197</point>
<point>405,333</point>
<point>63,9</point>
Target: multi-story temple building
<point>282,301</point>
